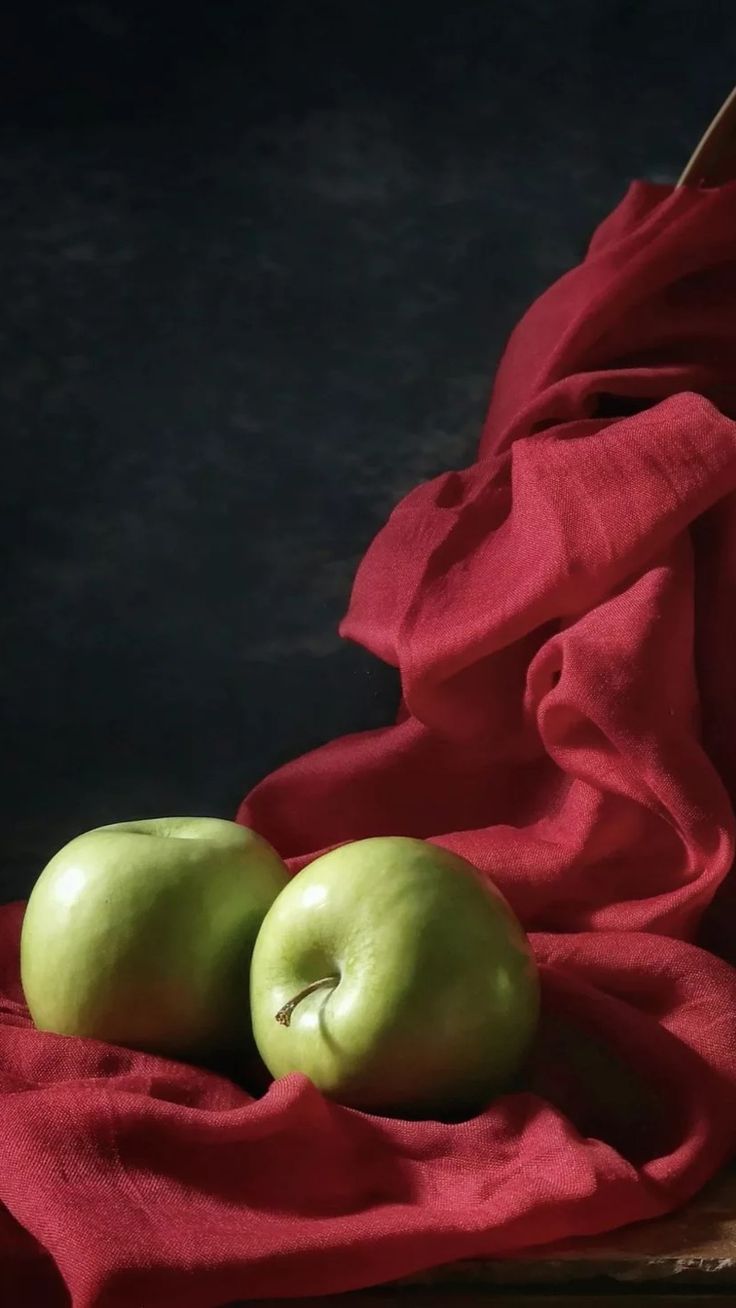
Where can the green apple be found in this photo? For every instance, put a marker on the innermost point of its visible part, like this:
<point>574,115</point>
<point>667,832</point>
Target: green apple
<point>397,979</point>
<point>141,933</point>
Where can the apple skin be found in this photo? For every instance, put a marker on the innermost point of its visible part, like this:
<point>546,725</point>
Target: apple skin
<point>435,998</point>
<point>141,934</point>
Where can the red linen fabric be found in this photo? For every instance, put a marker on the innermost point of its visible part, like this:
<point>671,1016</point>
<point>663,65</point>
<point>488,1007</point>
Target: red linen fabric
<point>561,614</point>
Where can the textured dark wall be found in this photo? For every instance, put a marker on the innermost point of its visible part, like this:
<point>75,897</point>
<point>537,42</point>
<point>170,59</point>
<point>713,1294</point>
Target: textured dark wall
<point>257,270</point>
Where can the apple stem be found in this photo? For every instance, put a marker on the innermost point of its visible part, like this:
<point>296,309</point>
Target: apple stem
<point>283,1017</point>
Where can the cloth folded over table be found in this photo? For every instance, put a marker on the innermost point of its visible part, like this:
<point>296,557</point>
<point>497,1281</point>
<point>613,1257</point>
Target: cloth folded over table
<point>562,616</point>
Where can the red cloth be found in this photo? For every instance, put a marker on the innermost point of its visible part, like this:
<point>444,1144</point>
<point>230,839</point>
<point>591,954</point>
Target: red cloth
<point>562,617</point>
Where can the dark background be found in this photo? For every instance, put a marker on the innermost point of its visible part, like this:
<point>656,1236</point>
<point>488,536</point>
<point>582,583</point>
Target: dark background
<point>258,265</point>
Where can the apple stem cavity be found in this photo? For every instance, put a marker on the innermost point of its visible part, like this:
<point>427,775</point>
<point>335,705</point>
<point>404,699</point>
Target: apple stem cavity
<point>283,1017</point>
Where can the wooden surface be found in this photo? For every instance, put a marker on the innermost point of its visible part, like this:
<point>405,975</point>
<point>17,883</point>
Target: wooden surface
<point>687,1260</point>
<point>693,1247</point>
<point>713,161</point>
<point>500,1298</point>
